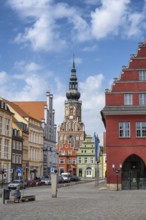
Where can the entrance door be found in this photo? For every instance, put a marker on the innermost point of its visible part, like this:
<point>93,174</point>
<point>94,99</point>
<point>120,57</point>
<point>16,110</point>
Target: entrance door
<point>88,172</point>
<point>133,173</point>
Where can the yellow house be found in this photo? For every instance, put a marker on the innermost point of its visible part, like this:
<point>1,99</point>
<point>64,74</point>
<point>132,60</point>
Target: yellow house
<point>33,146</point>
<point>5,140</point>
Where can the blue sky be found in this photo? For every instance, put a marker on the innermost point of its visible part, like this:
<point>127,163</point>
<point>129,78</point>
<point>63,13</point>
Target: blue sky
<point>39,37</point>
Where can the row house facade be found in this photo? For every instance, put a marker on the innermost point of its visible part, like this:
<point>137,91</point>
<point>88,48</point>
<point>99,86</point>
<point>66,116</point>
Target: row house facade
<point>32,164</point>
<point>32,143</point>
<point>124,117</point>
<point>44,113</point>
<point>86,161</point>
<point>67,159</point>
<point>6,117</point>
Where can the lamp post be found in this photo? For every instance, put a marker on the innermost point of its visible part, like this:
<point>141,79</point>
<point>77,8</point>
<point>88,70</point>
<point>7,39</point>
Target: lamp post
<point>117,171</point>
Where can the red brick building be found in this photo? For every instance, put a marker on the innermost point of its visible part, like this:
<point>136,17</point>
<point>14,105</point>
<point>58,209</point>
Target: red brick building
<point>71,132</point>
<point>124,117</point>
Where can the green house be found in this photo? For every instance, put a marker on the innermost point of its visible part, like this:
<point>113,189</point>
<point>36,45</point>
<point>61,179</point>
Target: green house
<point>86,163</point>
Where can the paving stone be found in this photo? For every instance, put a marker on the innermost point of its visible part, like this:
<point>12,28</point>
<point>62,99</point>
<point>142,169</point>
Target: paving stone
<point>78,202</point>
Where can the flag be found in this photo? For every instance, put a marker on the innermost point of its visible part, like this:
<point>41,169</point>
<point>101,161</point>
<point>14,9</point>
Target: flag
<point>97,148</point>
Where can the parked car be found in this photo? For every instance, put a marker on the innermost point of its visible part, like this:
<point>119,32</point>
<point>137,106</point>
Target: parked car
<point>45,181</point>
<point>60,179</point>
<point>15,183</point>
<point>75,178</point>
<point>30,183</point>
<point>37,182</point>
<point>66,177</point>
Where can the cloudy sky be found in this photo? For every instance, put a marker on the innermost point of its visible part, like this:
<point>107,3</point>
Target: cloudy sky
<point>39,37</point>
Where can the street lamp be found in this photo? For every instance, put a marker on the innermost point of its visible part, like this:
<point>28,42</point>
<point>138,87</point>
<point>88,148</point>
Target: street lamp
<point>117,171</point>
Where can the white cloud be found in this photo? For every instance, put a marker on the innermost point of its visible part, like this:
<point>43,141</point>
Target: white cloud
<point>42,36</point>
<point>27,83</point>
<point>90,48</point>
<point>50,21</point>
<point>46,29</point>
<point>59,100</point>
<point>108,18</point>
<point>117,17</point>
<point>135,24</point>
<point>33,87</point>
<point>93,101</point>
<point>78,60</point>
<point>3,77</point>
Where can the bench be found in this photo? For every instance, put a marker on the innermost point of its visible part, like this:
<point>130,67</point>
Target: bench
<point>28,198</point>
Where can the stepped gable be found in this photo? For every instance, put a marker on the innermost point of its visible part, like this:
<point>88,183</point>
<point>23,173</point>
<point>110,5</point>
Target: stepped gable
<point>130,73</point>
<point>33,109</point>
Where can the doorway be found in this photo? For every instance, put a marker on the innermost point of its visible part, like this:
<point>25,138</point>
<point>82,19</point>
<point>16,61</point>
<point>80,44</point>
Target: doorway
<point>88,172</point>
<point>133,173</point>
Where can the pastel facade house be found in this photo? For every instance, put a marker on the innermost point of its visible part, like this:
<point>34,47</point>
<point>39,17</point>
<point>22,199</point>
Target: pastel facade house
<point>86,160</point>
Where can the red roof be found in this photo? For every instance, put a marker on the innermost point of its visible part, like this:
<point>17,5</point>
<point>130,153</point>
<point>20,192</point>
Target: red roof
<point>32,109</point>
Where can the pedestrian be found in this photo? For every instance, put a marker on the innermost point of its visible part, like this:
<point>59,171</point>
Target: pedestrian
<point>17,194</point>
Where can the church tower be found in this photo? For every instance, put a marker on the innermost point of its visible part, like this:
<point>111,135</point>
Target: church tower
<point>72,129</point>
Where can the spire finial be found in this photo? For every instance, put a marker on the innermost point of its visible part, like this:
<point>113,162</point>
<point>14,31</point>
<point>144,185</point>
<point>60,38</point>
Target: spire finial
<point>73,65</point>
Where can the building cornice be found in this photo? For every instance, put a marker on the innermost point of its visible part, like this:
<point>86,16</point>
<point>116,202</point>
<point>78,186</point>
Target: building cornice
<point>124,110</point>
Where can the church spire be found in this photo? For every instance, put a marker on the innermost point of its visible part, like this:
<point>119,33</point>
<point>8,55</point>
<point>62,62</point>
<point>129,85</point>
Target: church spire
<point>72,93</point>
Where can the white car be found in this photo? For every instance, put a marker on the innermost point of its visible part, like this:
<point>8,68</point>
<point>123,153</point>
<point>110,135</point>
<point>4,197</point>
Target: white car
<point>16,183</point>
<point>46,181</point>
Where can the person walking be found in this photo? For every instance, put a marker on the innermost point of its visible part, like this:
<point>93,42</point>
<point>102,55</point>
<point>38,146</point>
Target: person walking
<point>17,194</point>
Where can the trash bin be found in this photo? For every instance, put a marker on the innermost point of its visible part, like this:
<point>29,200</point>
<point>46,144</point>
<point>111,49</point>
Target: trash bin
<point>6,194</point>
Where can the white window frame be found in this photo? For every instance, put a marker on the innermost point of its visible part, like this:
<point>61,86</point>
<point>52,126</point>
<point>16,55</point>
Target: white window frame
<point>140,129</point>
<point>91,159</point>
<point>79,160</point>
<point>6,148</point>
<point>13,144</point>
<point>69,161</point>
<point>142,75</point>
<point>19,158</point>
<point>13,158</point>
<point>1,123</point>
<point>74,161</point>
<point>16,158</point>
<point>124,129</point>
<point>63,152</point>
<point>142,99</point>
<point>85,159</point>
<point>7,126</point>
<point>61,161</point>
<point>128,99</point>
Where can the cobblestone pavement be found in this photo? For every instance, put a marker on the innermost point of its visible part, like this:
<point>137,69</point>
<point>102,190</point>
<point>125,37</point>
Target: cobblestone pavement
<point>78,202</point>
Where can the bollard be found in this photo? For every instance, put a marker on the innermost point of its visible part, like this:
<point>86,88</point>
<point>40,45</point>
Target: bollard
<point>54,185</point>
